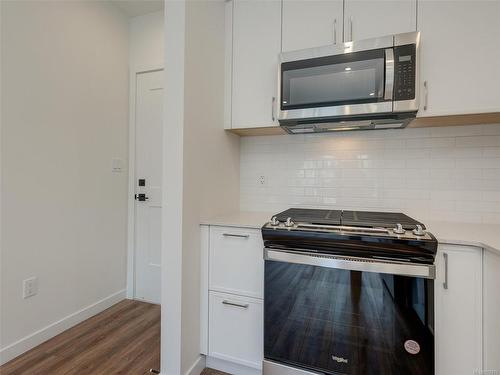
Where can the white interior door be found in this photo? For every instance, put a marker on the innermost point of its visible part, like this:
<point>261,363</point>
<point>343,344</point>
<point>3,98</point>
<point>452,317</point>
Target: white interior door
<point>148,166</point>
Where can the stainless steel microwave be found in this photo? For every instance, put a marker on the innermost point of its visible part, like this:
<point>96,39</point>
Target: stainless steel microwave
<point>366,84</point>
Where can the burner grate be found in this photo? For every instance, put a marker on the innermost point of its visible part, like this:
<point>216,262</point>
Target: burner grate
<point>311,216</point>
<point>368,219</point>
<point>379,219</point>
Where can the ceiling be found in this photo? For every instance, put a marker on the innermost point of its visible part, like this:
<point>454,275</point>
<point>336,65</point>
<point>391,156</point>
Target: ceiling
<point>138,7</point>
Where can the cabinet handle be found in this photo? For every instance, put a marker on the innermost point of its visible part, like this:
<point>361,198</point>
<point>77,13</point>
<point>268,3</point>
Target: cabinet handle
<point>242,305</point>
<point>445,283</point>
<point>426,95</point>
<point>236,235</point>
<point>335,31</point>
<point>273,102</point>
<point>350,28</point>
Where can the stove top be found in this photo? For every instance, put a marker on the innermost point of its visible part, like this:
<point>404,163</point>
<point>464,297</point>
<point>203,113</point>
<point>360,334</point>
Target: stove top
<point>311,216</point>
<point>349,218</point>
<point>357,233</point>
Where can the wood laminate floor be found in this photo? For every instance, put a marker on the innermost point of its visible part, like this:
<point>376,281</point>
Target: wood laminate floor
<point>124,339</point>
<point>209,371</point>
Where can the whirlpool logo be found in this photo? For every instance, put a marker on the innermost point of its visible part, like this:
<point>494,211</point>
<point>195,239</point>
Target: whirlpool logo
<point>340,359</point>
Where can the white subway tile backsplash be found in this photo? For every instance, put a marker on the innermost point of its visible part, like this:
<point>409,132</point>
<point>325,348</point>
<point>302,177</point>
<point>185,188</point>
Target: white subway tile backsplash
<point>449,173</point>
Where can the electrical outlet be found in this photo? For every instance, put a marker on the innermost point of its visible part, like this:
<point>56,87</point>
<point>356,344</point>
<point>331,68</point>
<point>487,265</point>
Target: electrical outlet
<point>30,287</point>
<point>262,181</point>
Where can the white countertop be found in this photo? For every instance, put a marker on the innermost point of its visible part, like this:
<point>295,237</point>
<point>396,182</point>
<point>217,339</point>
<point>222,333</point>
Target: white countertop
<point>481,235</point>
<point>241,219</point>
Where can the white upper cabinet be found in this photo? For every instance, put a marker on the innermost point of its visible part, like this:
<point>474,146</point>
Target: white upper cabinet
<point>459,53</point>
<point>311,23</point>
<point>364,19</point>
<point>256,43</point>
<point>460,57</point>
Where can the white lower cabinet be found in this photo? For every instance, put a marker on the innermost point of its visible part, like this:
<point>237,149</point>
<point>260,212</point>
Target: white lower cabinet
<point>467,332</point>
<point>235,329</point>
<point>458,297</point>
<point>491,312</point>
<point>232,290</point>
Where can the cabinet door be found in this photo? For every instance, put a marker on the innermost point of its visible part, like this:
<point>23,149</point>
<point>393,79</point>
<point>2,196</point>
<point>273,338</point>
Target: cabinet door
<point>311,23</point>
<point>491,311</point>
<point>460,56</point>
<point>458,295</point>
<point>366,19</point>
<point>236,329</point>
<point>256,45</point>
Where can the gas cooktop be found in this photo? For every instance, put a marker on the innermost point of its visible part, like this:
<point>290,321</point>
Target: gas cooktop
<point>357,233</point>
<point>349,218</point>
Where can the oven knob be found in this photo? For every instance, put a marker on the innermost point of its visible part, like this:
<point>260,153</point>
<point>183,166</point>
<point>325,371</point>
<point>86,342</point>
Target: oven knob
<point>274,221</point>
<point>289,222</point>
<point>399,229</point>
<point>419,231</point>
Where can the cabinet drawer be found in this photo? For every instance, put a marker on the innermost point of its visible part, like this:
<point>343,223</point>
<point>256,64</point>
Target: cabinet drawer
<point>236,261</point>
<point>236,329</point>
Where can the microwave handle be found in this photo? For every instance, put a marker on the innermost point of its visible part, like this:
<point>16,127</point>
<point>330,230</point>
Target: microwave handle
<point>389,74</point>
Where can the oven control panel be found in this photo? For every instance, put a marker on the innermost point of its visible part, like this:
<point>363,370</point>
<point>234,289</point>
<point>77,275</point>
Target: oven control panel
<point>404,75</point>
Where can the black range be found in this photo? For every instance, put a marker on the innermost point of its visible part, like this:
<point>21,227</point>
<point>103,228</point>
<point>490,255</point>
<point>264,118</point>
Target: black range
<point>348,292</point>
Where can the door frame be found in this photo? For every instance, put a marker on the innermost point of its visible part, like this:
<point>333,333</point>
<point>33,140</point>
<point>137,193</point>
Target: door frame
<point>134,72</point>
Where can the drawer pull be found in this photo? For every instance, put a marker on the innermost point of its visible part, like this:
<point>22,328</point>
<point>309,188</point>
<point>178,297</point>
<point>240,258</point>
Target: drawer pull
<point>236,235</point>
<point>242,305</point>
<point>445,283</point>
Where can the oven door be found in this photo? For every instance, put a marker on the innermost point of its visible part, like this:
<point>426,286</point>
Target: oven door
<point>343,84</point>
<point>334,315</point>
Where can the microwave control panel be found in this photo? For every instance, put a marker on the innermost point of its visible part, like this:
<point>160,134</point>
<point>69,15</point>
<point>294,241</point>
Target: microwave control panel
<point>404,77</point>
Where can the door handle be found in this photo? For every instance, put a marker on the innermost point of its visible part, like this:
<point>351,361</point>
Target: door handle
<point>141,197</point>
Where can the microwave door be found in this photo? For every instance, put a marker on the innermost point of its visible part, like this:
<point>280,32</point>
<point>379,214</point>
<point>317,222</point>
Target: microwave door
<point>333,81</point>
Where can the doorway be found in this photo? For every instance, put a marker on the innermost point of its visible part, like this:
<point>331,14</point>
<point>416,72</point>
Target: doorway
<point>147,182</point>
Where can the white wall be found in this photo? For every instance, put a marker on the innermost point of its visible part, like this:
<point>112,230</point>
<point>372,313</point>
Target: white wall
<point>147,41</point>
<point>211,156</point>
<point>203,173</point>
<point>64,117</point>
<point>449,173</point>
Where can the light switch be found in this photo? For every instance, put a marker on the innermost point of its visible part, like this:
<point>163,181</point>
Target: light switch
<point>117,165</point>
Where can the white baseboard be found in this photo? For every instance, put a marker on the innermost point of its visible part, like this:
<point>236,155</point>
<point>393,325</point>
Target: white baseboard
<point>230,367</point>
<point>36,338</point>
<point>197,367</point>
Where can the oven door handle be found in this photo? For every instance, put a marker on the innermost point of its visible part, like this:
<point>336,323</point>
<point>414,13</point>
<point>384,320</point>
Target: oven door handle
<point>427,271</point>
<point>389,74</point>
